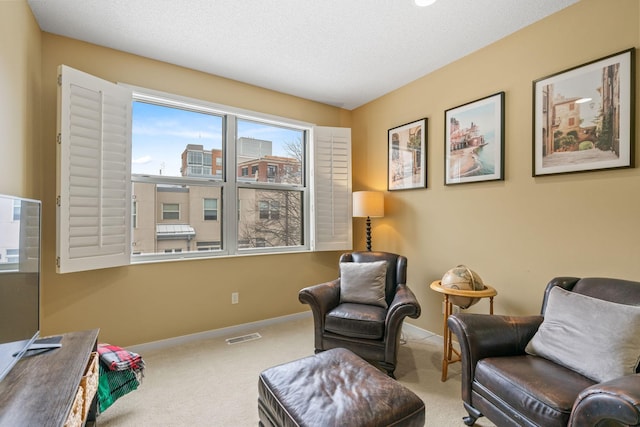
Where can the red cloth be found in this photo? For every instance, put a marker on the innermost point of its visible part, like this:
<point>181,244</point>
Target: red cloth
<point>118,359</point>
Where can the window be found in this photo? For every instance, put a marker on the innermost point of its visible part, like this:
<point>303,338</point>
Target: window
<point>259,198</point>
<point>183,189</point>
<point>208,246</point>
<point>280,218</point>
<point>270,209</point>
<point>210,209</point>
<point>195,157</point>
<point>16,210</point>
<point>170,211</point>
<point>272,173</point>
<point>13,256</point>
<point>262,223</point>
<point>274,209</point>
<point>263,209</point>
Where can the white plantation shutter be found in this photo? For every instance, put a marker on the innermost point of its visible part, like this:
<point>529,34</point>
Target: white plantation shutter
<point>30,214</point>
<point>331,210</point>
<point>94,176</point>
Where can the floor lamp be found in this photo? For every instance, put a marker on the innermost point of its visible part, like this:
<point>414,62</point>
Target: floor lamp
<point>368,204</point>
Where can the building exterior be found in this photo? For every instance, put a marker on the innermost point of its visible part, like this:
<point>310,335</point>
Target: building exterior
<point>464,137</point>
<point>186,218</point>
<point>563,127</point>
<point>274,169</point>
<point>609,130</point>
<point>196,161</point>
<point>566,114</point>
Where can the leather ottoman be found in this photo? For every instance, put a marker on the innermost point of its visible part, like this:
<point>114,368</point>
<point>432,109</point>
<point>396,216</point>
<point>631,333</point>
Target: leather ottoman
<point>335,388</point>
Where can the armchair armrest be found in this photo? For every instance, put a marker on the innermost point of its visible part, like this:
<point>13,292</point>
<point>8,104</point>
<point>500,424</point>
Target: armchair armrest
<point>616,400</point>
<point>486,335</point>
<point>321,298</point>
<point>404,304</point>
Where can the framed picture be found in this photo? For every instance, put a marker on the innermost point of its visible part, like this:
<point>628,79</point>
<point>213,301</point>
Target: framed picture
<point>407,168</point>
<point>583,117</point>
<point>474,141</point>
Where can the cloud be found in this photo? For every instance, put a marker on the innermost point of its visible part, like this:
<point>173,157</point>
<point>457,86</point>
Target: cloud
<point>175,128</point>
<point>142,160</point>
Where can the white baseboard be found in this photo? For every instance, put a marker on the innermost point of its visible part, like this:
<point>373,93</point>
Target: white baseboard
<point>428,335</point>
<point>251,326</point>
<point>422,333</point>
<point>215,333</point>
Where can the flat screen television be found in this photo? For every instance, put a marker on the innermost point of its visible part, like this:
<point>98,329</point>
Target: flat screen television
<point>19,278</point>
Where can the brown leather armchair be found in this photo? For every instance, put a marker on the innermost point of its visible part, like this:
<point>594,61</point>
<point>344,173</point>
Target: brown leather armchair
<point>371,332</point>
<point>512,388</point>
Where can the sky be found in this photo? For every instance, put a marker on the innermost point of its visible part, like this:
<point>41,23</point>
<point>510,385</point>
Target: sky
<point>586,86</point>
<point>484,113</point>
<point>160,135</point>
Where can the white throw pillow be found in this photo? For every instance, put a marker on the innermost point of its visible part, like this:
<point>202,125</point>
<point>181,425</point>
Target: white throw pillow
<point>363,282</point>
<point>597,338</point>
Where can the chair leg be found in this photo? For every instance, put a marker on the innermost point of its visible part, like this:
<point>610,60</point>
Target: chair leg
<point>474,414</point>
<point>469,421</point>
<point>390,368</point>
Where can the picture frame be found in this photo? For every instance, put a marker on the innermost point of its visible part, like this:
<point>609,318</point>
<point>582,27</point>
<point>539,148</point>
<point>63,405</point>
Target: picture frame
<point>583,117</point>
<point>407,162</point>
<point>474,141</point>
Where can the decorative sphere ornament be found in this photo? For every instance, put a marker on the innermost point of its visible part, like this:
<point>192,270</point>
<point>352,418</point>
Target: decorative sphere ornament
<point>464,279</point>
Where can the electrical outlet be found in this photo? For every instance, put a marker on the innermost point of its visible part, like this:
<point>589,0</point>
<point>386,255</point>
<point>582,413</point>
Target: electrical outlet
<point>234,297</point>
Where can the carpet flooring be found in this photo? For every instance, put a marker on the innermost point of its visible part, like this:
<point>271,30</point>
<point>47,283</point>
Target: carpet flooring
<point>209,382</point>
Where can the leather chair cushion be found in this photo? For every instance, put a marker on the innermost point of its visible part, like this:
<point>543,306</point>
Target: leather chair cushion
<point>537,388</point>
<point>333,388</point>
<point>356,321</point>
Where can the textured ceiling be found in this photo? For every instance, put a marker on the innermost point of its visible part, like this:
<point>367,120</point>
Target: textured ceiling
<point>339,52</point>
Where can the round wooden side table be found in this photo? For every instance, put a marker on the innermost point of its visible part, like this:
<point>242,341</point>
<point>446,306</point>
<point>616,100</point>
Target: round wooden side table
<point>450,354</point>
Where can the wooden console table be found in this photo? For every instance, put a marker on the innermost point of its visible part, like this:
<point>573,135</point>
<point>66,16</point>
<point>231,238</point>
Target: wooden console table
<point>40,390</point>
<point>448,350</point>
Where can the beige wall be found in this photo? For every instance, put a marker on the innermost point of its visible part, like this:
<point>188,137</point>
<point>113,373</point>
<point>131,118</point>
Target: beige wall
<point>516,234</point>
<point>144,303</point>
<point>19,100</point>
<point>519,233</point>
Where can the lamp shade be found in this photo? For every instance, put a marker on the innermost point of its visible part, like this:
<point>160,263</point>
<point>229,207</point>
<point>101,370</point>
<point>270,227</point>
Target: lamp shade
<point>368,204</point>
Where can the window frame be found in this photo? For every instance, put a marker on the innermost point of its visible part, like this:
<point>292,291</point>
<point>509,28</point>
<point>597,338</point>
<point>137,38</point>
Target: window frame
<point>228,206</point>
